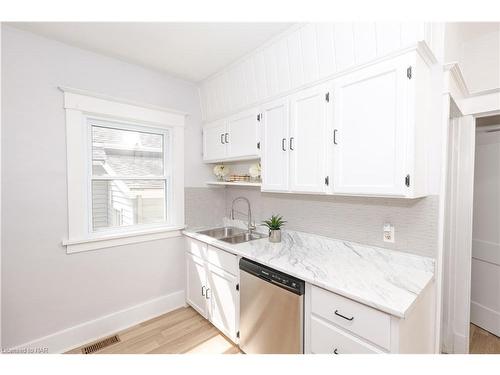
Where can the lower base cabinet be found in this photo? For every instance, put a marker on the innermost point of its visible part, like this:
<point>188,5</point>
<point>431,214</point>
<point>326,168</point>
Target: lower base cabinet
<point>338,325</point>
<point>210,289</point>
<point>328,339</point>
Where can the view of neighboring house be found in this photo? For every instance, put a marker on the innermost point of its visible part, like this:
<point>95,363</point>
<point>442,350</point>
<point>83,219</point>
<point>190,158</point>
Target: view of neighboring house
<point>121,157</point>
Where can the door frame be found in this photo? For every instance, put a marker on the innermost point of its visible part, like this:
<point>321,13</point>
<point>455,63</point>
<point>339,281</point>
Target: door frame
<point>456,207</point>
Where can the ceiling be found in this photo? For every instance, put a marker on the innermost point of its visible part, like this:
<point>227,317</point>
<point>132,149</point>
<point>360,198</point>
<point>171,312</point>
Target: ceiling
<point>191,51</point>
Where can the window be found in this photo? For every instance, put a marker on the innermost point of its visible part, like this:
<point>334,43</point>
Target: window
<point>125,169</point>
<point>129,176</point>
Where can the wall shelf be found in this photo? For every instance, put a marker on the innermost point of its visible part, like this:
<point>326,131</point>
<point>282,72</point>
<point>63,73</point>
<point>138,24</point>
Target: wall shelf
<point>227,183</point>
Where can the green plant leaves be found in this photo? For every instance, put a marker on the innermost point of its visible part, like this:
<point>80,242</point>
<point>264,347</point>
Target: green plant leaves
<point>275,222</point>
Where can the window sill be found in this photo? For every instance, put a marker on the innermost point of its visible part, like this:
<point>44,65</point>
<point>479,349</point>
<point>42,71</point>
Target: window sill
<point>88,244</point>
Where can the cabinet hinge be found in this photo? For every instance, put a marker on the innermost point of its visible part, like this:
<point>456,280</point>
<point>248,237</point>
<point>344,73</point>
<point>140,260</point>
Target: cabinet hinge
<point>327,97</point>
<point>327,180</point>
<point>238,334</point>
<point>409,72</point>
<point>238,287</point>
<point>258,145</point>
<point>407,180</point>
<point>258,117</point>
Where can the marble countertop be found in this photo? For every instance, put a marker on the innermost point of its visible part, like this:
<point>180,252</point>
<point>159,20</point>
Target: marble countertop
<point>387,280</point>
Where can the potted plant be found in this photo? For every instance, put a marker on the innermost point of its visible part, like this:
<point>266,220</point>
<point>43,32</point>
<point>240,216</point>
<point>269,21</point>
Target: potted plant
<point>274,225</point>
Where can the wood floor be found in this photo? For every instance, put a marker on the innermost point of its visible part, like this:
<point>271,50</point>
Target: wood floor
<point>179,331</point>
<point>483,342</point>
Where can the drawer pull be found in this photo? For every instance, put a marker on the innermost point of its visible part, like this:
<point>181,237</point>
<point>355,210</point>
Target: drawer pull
<point>343,316</point>
<point>335,351</point>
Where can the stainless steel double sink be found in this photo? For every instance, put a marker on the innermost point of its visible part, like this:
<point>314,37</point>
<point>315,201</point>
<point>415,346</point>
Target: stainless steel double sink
<point>232,235</point>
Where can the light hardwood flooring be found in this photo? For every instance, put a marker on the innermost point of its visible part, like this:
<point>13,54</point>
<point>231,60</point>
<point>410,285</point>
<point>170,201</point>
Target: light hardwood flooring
<point>179,331</point>
<point>483,342</point>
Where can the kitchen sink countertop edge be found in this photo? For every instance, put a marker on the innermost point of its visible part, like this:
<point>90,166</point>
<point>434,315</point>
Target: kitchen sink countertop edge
<point>387,280</point>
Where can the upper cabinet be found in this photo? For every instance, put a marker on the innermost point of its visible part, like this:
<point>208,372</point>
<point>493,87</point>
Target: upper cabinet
<point>360,129</point>
<point>234,138</point>
<point>376,130</point>
<point>294,147</point>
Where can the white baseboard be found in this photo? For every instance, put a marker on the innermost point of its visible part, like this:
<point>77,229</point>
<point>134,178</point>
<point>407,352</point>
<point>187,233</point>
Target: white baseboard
<point>485,318</point>
<point>81,334</point>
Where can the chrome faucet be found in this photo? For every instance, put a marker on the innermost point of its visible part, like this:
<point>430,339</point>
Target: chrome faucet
<point>251,226</point>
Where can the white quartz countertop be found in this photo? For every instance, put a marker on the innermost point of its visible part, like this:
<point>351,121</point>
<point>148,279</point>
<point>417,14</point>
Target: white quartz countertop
<point>387,280</point>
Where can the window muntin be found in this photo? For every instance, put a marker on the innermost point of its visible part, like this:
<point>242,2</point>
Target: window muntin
<point>129,183</point>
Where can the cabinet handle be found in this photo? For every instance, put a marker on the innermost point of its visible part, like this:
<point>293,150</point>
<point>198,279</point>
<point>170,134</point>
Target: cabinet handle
<point>283,144</point>
<point>335,351</point>
<point>335,137</point>
<point>291,143</point>
<point>206,294</point>
<point>225,138</point>
<point>203,290</point>
<point>222,138</point>
<point>343,316</point>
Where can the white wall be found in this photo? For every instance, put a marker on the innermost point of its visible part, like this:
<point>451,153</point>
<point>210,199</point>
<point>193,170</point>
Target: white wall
<point>485,283</point>
<point>44,290</point>
<point>476,46</point>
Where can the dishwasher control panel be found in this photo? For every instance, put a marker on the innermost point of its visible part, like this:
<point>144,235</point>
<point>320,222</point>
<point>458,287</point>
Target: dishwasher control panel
<point>276,277</point>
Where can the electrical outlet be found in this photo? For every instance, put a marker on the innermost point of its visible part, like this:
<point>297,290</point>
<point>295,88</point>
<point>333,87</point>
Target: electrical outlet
<point>388,231</point>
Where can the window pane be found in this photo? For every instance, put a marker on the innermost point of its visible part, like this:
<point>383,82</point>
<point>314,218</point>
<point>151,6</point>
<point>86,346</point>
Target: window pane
<point>117,203</point>
<point>118,152</point>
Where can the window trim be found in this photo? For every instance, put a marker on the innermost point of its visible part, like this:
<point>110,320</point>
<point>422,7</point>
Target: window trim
<point>80,106</point>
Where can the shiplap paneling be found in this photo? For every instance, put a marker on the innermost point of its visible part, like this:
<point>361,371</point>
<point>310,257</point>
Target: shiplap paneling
<point>283,66</point>
<point>270,60</point>
<point>365,43</point>
<point>303,56</point>
<point>295,59</point>
<point>326,53</point>
<point>309,53</point>
<point>260,74</point>
<point>252,92</point>
<point>388,37</point>
<point>344,45</point>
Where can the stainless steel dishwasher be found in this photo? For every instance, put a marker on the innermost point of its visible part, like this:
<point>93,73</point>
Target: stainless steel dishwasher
<point>271,310</point>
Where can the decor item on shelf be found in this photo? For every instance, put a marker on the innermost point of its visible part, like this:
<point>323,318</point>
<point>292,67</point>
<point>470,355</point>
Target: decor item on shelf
<point>239,178</point>
<point>274,224</point>
<point>221,171</point>
<point>254,172</point>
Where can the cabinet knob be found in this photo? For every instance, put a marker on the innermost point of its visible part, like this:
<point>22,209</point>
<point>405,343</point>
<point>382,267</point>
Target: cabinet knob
<point>335,351</point>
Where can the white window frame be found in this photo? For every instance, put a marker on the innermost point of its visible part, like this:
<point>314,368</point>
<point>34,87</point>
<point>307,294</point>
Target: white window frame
<point>82,106</point>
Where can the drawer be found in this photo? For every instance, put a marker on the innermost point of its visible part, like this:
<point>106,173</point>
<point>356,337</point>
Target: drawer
<point>222,259</point>
<point>328,339</point>
<point>196,247</point>
<point>368,323</point>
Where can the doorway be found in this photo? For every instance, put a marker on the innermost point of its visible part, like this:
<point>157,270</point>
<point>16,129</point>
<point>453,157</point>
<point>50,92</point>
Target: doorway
<point>485,254</point>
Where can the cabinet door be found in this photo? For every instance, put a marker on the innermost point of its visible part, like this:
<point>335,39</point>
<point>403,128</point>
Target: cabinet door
<point>222,297</point>
<point>274,146</point>
<point>214,144</point>
<point>371,128</point>
<point>196,284</point>
<point>241,135</point>
<point>308,140</point>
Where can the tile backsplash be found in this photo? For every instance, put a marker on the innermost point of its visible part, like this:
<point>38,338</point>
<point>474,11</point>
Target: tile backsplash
<point>356,219</point>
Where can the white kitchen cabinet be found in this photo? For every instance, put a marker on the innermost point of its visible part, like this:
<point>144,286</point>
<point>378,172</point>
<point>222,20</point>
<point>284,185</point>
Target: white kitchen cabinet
<point>380,127</point>
<point>233,138</point>
<point>222,296</point>
<point>214,146</point>
<point>334,324</point>
<point>294,142</point>
<point>274,145</point>
<point>212,285</point>
<point>308,140</point>
<point>196,284</point>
